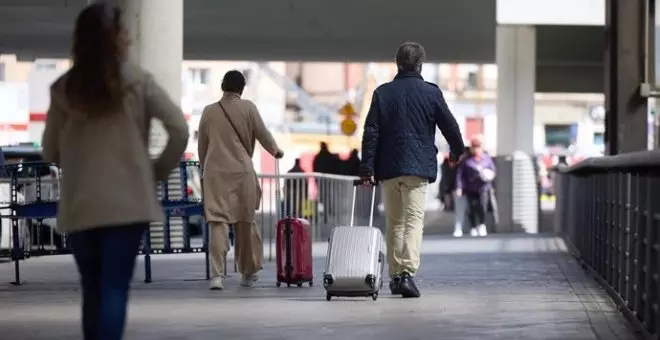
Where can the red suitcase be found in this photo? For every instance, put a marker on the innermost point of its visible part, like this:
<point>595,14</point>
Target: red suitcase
<point>293,246</point>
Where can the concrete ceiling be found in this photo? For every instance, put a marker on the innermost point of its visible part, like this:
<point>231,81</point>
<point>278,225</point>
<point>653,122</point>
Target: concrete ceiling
<point>569,57</point>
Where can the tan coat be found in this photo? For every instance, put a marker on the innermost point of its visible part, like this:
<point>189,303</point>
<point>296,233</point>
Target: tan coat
<point>108,177</point>
<point>231,189</point>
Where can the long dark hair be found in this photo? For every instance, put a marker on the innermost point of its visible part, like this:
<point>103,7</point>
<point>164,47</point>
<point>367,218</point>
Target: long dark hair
<point>94,81</point>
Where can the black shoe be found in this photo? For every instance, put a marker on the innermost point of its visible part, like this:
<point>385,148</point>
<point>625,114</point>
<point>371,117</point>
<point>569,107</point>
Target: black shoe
<point>395,285</point>
<point>407,287</point>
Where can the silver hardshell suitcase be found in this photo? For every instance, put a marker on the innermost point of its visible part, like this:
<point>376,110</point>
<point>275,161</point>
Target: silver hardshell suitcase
<point>355,260</point>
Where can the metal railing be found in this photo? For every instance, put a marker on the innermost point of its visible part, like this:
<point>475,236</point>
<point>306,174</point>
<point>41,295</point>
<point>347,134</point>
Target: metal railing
<point>28,207</point>
<point>608,211</point>
<point>323,199</point>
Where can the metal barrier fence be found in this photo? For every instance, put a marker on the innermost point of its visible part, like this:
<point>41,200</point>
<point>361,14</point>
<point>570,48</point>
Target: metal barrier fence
<point>29,197</point>
<point>28,206</point>
<point>609,213</point>
<point>323,199</point>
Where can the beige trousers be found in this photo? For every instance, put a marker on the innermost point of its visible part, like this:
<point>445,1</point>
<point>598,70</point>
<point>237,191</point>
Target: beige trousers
<point>248,247</point>
<point>405,198</point>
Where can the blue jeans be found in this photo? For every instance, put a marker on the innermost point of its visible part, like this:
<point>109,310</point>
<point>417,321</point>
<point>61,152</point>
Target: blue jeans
<point>106,258</point>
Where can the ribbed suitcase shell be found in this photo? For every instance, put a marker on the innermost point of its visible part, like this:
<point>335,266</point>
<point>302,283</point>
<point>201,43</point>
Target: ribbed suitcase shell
<point>353,254</point>
<point>299,248</point>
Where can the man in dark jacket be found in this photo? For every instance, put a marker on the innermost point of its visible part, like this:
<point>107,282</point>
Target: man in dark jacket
<point>398,148</point>
<point>351,166</point>
<point>326,162</point>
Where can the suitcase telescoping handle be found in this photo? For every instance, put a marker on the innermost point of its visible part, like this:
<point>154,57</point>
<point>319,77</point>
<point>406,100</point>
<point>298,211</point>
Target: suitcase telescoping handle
<point>356,184</point>
<point>279,205</point>
<point>278,191</point>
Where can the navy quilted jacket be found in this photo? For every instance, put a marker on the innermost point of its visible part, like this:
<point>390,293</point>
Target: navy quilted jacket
<point>399,132</point>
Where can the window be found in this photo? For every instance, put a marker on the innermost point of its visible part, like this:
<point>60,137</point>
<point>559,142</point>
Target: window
<point>473,80</point>
<point>293,71</point>
<point>474,127</point>
<point>468,75</point>
<point>559,135</point>
<point>490,76</point>
<point>597,113</point>
<point>45,65</point>
<point>599,138</point>
<point>198,76</point>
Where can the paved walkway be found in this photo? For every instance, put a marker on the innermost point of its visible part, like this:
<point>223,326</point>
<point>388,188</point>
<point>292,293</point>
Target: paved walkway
<point>500,287</point>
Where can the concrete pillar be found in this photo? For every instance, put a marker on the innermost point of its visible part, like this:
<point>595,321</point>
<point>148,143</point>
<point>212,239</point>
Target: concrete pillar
<point>516,191</point>
<point>156,33</point>
<point>516,80</point>
<point>626,111</point>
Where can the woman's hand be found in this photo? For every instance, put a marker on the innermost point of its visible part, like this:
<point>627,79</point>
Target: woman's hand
<point>279,154</point>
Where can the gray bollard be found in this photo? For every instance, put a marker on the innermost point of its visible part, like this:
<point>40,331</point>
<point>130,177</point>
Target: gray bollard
<point>517,194</point>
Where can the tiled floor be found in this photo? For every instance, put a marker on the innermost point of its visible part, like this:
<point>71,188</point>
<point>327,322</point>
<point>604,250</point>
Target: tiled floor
<point>499,287</point>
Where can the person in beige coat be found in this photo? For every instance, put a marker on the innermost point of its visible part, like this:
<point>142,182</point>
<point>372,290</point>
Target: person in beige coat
<point>228,131</point>
<point>97,131</point>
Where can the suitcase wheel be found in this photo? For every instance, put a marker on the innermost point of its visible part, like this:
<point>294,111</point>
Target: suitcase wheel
<point>328,297</point>
<point>374,296</point>
<point>278,284</point>
<point>311,283</point>
<point>288,284</point>
<point>299,284</point>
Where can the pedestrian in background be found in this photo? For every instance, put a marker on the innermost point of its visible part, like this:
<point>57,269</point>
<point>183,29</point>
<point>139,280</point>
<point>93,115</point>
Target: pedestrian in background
<point>448,190</point>
<point>295,193</point>
<point>474,179</point>
<point>228,132</point>
<point>97,130</point>
<point>447,183</point>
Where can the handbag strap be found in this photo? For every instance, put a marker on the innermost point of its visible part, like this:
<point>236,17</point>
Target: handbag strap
<point>234,128</point>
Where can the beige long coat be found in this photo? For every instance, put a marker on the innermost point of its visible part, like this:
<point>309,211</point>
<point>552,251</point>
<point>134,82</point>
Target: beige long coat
<point>108,178</point>
<point>231,189</point>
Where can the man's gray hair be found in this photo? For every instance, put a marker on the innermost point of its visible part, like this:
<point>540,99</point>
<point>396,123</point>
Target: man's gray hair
<point>410,56</point>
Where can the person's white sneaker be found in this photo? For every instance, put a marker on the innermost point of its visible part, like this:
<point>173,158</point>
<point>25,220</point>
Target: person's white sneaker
<point>249,280</point>
<point>482,230</point>
<point>458,232</point>
<point>473,232</point>
<point>216,283</point>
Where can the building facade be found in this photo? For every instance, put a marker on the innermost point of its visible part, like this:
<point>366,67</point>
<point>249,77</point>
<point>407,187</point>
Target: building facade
<point>303,97</point>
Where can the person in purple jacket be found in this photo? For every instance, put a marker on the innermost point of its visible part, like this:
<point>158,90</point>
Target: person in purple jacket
<point>474,178</point>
